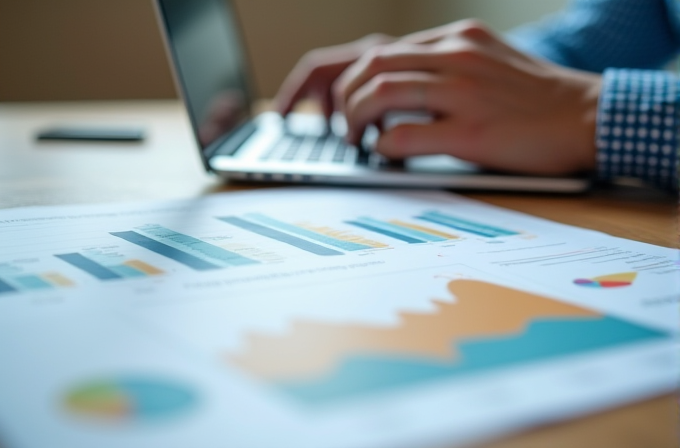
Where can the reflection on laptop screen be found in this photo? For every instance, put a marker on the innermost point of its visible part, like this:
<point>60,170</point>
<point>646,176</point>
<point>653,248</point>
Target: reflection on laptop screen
<point>207,50</point>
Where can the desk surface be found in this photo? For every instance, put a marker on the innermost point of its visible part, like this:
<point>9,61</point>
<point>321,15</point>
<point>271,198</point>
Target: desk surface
<point>166,167</point>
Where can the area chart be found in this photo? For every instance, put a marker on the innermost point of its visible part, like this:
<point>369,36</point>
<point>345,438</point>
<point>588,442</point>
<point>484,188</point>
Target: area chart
<point>488,327</point>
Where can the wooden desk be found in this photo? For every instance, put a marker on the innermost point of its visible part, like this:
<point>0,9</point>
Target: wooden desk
<point>166,166</point>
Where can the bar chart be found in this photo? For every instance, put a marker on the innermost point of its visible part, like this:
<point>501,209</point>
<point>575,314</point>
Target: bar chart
<point>290,234</point>
<point>184,249</point>
<point>465,225</point>
<point>337,238</point>
<point>403,231</point>
<point>15,278</point>
<point>109,264</point>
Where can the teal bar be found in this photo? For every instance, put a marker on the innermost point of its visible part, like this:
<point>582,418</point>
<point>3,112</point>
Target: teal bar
<point>282,237</point>
<point>196,247</point>
<point>126,271</point>
<point>389,233</point>
<point>404,231</point>
<point>6,287</point>
<point>31,282</point>
<point>467,226</point>
<point>345,245</point>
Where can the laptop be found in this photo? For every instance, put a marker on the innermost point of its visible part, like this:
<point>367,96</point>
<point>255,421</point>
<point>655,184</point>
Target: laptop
<point>210,68</point>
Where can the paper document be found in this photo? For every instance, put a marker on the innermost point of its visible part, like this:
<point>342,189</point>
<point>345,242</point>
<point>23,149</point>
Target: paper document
<point>320,318</point>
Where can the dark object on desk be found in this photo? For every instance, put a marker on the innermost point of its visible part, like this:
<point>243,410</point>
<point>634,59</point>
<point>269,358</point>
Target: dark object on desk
<point>93,134</point>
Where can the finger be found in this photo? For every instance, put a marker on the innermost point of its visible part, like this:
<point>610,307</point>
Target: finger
<point>397,91</point>
<point>294,89</point>
<point>469,29</point>
<point>309,79</point>
<point>456,57</point>
<point>408,140</point>
<point>327,105</point>
<point>318,69</point>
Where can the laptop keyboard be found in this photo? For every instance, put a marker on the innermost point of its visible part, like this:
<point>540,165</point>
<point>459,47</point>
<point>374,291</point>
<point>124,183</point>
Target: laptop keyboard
<point>309,148</point>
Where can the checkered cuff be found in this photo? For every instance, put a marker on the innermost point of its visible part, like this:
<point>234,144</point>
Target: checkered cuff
<point>638,126</point>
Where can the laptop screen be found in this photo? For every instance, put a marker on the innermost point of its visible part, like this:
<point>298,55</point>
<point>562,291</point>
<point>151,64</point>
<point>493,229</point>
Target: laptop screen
<point>210,65</point>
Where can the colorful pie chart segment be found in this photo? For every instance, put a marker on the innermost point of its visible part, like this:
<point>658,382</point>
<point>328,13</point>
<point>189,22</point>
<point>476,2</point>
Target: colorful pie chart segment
<point>129,399</point>
<point>608,281</point>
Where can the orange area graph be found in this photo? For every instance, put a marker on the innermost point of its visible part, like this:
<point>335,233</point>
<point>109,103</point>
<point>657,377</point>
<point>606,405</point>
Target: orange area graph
<point>342,235</point>
<point>312,349</point>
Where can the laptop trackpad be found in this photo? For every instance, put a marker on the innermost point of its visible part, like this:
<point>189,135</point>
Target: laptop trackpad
<point>440,164</point>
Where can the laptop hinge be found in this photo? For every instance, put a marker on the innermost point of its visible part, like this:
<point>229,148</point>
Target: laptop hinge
<point>228,144</point>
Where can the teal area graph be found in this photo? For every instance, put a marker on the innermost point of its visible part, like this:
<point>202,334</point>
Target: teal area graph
<point>487,328</point>
<point>367,374</point>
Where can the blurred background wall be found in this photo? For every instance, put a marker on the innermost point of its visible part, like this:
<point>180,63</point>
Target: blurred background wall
<point>111,49</point>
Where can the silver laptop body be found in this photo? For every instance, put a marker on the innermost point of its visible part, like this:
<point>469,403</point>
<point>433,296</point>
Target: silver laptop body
<point>210,69</point>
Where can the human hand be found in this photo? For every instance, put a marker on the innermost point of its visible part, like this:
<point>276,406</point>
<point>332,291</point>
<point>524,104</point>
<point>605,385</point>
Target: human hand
<point>316,72</point>
<point>492,105</point>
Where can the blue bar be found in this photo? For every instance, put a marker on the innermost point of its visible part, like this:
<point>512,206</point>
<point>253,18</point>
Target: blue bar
<point>345,245</point>
<point>401,230</point>
<point>127,271</point>
<point>6,287</point>
<point>85,264</point>
<point>280,236</point>
<point>199,248</point>
<point>166,251</point>
<point>467,226</point>
<point>396,236</point>
<point>32,282</point>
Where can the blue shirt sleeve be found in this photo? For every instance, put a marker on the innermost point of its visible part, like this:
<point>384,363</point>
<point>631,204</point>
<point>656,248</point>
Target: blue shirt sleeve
<point>594,35</point>
<point>638,131</point>
<point>638,122</point>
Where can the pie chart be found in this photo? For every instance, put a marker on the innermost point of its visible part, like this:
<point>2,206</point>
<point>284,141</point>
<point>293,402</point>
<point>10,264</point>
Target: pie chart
<point>608,281</point>
<point>129,399</point>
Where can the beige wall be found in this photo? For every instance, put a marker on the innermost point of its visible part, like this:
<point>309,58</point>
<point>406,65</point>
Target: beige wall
<point>502,15</point>
<point>110,49</point>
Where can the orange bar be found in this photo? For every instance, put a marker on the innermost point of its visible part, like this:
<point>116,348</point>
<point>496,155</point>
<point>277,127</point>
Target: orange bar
<point>57,279</point>
<point>425,230</point>
<point>144,267</point>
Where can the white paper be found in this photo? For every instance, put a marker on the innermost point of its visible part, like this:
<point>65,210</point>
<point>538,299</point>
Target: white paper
<point>320,317</point>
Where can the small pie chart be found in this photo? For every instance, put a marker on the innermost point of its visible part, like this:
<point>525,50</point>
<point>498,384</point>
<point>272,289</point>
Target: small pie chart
<point>129,399</point>
<point>608,281</point>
